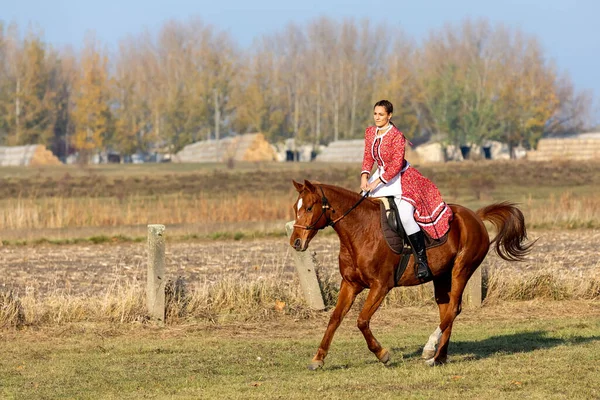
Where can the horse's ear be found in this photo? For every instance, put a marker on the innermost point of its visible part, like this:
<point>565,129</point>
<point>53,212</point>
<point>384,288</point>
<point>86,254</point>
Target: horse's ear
<point>309,186</point>
<point>298,186</point>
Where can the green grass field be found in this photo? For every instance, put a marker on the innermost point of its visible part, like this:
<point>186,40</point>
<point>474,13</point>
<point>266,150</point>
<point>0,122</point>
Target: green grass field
<point>531,350</point>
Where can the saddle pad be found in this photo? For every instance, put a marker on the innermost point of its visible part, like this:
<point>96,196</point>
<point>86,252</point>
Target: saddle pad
<point>395,241</point>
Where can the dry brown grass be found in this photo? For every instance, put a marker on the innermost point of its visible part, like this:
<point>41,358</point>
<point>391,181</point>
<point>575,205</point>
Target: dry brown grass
<point>234,296</point>
<point>61,212</point>
<point>544,278</point>
<point>125,303</point>
<point>239,300</point>
<point>556,194</point>
<point>563,210</point>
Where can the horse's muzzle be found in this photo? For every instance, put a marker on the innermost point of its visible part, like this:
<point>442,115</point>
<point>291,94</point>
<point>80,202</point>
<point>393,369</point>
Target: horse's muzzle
<point>298,245</point>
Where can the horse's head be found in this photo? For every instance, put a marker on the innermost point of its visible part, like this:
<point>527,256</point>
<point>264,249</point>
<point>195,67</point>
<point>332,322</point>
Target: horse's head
<point>311,210</point>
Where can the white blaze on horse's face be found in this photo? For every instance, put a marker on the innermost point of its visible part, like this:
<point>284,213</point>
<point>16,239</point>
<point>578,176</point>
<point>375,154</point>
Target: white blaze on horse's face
<point>299,203</point>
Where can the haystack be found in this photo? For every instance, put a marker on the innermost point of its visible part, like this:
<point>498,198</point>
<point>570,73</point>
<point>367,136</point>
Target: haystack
<point>31,155</point>
<point>247,147</point>
<point>581,148</point>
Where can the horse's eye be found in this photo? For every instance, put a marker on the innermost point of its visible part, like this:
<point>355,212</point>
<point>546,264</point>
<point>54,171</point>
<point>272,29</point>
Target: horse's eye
<point>309,208</point>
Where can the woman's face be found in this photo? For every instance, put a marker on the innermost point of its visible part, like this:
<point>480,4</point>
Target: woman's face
<point>381,116</point>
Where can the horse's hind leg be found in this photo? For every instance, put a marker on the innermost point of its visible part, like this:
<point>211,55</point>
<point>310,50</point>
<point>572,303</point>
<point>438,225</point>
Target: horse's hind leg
<point>441,286</point>
<point>460,276</point>
<point>348,293</point>
<point>374,299</point>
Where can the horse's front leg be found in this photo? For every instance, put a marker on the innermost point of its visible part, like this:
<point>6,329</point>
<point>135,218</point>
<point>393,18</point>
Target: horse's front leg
<point>348,293</point>
<point>374,299</point>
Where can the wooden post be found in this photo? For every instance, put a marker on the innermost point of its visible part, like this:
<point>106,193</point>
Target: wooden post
<point>155,290</point>
<point>306,267</point>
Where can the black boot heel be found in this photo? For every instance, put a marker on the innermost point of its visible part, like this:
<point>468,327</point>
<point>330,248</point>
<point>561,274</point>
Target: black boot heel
<point>422,271</point>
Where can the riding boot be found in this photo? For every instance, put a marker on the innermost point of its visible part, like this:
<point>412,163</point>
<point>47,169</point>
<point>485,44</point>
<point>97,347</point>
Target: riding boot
<point>422,271</point>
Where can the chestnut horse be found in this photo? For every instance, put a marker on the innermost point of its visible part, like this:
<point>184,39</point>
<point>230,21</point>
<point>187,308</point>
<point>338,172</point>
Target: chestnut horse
<point>366,261</point>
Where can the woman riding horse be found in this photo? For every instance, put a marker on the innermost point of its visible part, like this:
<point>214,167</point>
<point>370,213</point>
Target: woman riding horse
<point>366,261</point>
<point>418,200</point>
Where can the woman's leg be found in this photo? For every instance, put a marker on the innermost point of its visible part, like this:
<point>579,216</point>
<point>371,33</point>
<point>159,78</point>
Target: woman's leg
<point>407,216</point>
<point>416,238</point>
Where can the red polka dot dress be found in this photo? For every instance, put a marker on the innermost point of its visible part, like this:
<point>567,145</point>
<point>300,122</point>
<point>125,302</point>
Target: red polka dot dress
<point>399,178</point>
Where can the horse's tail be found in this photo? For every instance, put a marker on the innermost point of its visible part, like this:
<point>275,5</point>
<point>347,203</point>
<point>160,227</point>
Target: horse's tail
<point>512,234</point>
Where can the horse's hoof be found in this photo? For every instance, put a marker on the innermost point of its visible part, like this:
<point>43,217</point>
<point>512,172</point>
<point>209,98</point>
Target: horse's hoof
<point>315,365</point>
<point>427,354</point>
<point>433,363</point>
<point>384,356</point>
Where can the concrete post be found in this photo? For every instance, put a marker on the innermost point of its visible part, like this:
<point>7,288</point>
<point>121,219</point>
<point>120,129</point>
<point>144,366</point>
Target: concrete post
<point>306,267</point>
<point>155,290</point>
<point>476,287</point>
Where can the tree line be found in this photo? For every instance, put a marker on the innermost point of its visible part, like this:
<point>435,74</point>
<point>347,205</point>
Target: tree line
<point>463,84</point>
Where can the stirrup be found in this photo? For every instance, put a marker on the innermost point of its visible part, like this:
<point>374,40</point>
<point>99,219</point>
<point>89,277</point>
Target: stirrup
<point>423,274</point>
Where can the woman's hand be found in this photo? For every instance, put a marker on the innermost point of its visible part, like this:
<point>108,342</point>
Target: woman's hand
<point>373,185</point>
<point>364,182</point>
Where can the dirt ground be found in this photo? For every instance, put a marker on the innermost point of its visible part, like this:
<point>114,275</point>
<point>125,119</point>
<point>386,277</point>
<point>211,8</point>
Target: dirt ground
<point>91,269</point>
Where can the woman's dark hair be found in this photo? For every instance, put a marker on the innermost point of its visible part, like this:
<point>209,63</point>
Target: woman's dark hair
<point>389,107</point>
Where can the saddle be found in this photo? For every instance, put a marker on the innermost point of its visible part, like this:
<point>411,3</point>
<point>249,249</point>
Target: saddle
<point>396,238</point>
<point>393,232</point>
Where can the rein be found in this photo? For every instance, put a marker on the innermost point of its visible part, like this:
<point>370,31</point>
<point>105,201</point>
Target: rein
<point>326,206</point>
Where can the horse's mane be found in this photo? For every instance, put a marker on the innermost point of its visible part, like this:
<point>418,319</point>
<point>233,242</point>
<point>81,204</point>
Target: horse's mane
<point>353,196</point>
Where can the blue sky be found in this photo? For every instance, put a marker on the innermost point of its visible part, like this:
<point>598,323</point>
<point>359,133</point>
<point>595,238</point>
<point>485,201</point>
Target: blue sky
<point>568,29</point>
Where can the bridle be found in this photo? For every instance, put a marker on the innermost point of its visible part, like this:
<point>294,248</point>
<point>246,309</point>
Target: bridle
<point>326,206</point>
